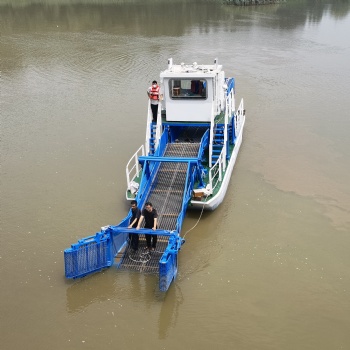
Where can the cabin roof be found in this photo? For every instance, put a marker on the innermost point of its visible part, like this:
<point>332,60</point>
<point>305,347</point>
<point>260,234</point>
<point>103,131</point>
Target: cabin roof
<point>191,70</point>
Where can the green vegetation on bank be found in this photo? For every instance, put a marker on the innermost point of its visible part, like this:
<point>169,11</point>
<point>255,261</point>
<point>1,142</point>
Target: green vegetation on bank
<point>252,2</point>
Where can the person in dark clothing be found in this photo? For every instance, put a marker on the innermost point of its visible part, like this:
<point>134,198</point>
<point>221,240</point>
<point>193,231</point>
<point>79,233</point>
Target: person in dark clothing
<point>150,215</point>
<point>135,217</point>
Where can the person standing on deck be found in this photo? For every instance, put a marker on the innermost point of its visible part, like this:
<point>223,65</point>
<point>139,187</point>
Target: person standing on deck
<point>135,217</point>
<point>151,217</point>
<point>154,95</point>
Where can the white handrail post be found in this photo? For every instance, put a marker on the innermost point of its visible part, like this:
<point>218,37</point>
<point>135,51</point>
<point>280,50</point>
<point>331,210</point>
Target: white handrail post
<point>127,177</point>
<point>148,124</point>
<point>135,169</point>
<point>220,170</point>
<point>210,179</point>
<point>229,104</point>
<point>225,131</point>
<point>233,100</point>
<point>159,123</point>
<point>137,164</point>
<point>211,136</point>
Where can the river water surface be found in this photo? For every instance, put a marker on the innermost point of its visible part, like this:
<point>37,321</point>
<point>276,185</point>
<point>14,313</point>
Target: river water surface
<point>269,269</point>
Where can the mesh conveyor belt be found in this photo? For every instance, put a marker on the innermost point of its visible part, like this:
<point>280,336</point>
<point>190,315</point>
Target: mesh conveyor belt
<point>167,193</point>
<point>167,190</point>
<point>166,196</point>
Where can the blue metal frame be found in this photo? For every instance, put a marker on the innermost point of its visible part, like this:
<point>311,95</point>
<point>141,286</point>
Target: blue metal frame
<point>230,82</point>
<point>94,253</point>
<point>233,140</point>
<point>89,255</point>
<point>190,179</point>
<point>168,263</point>
<point>204,144</point>
<point>162,143</point>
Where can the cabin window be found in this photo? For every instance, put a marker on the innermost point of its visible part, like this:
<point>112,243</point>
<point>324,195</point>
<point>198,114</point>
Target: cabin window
<point>184,89</point>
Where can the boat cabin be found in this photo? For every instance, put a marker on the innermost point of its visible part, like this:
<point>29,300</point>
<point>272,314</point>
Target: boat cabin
<point>192,93</point>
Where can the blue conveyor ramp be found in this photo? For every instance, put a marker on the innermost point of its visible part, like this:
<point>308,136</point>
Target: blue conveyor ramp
<point>168,177</point>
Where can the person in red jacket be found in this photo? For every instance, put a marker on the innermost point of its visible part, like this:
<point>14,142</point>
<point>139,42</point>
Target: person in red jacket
<point>154,95</point>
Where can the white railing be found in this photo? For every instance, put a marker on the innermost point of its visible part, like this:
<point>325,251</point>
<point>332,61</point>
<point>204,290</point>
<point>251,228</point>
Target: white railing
<point>159,126</point>
<point>148,127</point>
<point>133,167</point>
<point>239,117</point>
<point>229,104</point>
<point>211,136</point>
<point>228,112</point>
<point>217,170</point>
<point>216,173</point>
<point>233,101</point>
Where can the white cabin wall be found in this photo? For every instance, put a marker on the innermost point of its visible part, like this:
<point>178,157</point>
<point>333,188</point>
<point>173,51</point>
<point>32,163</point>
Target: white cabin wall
<point>188,110</point>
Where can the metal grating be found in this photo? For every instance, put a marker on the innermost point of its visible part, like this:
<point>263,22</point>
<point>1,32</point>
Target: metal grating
<point>167,190</point>
<point>142,260</point>
<point>167,193</point>
<point>182,149</point>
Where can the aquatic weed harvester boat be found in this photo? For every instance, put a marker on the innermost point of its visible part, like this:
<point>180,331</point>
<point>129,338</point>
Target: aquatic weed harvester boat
<point>186,162</point>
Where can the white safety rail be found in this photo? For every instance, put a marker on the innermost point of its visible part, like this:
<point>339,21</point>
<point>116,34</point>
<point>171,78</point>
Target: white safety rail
<point>239,118</point>
<point>228,113</point>
<point>230,103</point>
<point>148,126</point>
<point>158,127</point>
<point>211,134</point>
<point>229,109</point>
<point>133,167</point>
<point>216,172</point>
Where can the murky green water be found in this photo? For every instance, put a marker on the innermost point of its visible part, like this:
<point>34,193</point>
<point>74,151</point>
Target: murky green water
<point>269,269</point>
